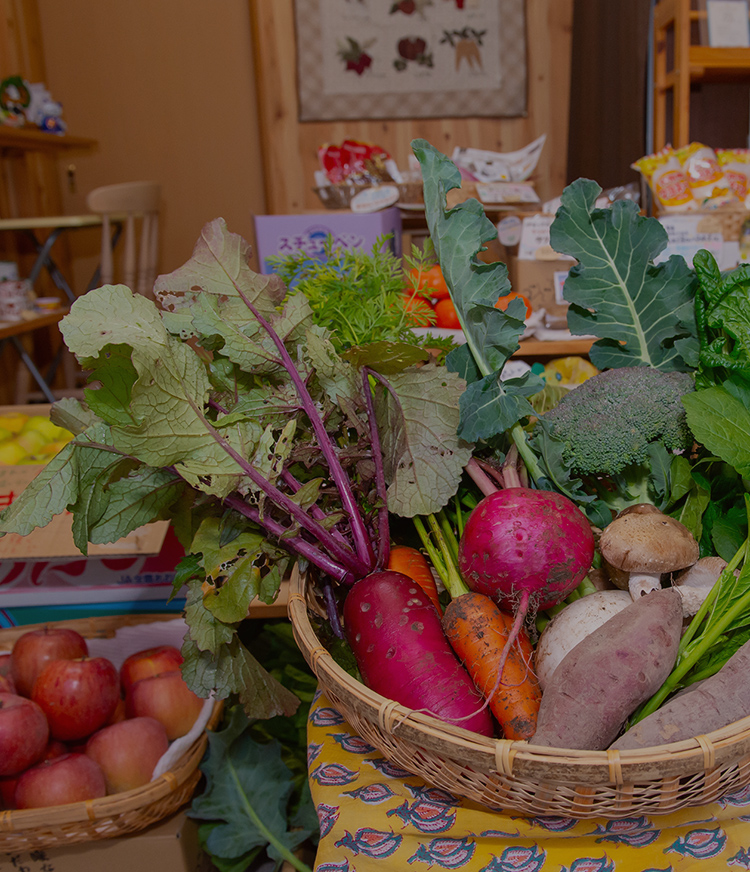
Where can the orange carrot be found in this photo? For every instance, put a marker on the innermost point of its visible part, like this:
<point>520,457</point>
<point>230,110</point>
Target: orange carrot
<point>413,563</point>
<point>477,630</point>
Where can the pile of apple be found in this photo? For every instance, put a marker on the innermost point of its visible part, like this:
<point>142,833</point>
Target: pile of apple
<point>73,728</point>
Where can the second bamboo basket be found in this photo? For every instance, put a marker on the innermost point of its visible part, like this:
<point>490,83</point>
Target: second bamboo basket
<point>517,776</point>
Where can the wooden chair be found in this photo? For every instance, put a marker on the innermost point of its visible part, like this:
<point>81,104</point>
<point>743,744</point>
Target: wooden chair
<point>128,203</point>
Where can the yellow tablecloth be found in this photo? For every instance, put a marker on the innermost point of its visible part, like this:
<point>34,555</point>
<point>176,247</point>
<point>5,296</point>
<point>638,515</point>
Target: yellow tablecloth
<point>375,817</point>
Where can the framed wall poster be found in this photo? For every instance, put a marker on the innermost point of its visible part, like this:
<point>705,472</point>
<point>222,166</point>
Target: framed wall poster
<point>368,59</point>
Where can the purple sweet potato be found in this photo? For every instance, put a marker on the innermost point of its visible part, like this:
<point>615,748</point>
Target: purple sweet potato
<point>402,653</point>
<point>717,702</point>
<point>601,681</point>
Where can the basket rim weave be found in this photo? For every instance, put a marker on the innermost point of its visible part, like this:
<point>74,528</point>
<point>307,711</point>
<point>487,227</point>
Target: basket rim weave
<point>162,796</point>
<point>517,760</point>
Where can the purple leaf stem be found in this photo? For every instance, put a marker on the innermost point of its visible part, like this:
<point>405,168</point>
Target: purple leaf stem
<point>480,477</point>
<point>295,543</point>
<point>362,543</point>
<point>340,553</point>
<point>511,477</point>
<point>331,609</point>
<point>384,533</point>
<point>315,510</point>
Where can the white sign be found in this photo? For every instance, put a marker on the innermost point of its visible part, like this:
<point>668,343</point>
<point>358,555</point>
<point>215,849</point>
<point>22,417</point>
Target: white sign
<point>535,244</point>
<point>685,240</point>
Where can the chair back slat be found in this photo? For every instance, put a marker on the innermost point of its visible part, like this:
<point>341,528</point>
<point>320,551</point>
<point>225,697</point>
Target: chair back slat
<point>130,203</point>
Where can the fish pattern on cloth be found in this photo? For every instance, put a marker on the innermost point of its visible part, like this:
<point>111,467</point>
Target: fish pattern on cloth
<point>376,817</point>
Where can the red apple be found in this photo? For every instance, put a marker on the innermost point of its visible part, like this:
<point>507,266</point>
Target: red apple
<point>6,685</point>
<point>54,749</point>
<point>168,699</point>
<point>35,649</point>
<point>128,752</point>
<point>5,664</point>
<point>152,661</point>
<point>23,733</point>
<point>69,778</point>
<point>119,713</point>
<point>77,696</point>
<point>8,791</point>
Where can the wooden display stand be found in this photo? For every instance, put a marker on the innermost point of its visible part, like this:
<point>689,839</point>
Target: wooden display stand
<point>679,62</point>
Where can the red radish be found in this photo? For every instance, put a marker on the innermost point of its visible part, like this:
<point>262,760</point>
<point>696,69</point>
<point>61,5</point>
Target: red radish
<point>526,549</point>
<point>402,653</point>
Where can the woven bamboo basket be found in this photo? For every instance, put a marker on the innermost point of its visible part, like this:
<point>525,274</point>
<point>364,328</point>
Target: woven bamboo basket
<point>515,775</point>
<point>110,816</point>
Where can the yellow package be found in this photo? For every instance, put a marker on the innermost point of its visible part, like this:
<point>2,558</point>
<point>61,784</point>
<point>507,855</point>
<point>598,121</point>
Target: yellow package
<point>667,180</point>
<point>708,183</point>
<point>735,164</point>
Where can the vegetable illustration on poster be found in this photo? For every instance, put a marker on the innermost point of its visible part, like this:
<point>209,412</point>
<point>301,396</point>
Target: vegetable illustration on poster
<point>410,58</point>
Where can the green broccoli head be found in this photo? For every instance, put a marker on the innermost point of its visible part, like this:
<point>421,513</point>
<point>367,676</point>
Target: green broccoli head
<point>607,423</point>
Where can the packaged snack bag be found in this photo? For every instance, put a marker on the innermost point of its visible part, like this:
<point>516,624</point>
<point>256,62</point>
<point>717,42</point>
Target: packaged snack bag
<point>667,180</point>
<point>735,164</point>
<point>708,183</point>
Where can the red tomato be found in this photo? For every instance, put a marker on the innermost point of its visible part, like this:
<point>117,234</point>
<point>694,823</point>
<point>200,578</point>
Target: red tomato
<point>431,280</point>
<point>445,315</point>
<point>419,311</point>
<point>503,301</point>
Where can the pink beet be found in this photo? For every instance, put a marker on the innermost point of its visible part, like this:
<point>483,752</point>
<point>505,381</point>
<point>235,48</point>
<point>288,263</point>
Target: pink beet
<point>521,543</point>
<point>527,550</point>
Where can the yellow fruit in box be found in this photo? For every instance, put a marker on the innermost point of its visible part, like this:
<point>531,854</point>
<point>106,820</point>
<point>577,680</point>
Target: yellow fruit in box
<point>26,439</point>
<point>11,452</point>
<point>13,421</point>
<point>40,424</point>
<point>569,371</point>
<point>32,441</point>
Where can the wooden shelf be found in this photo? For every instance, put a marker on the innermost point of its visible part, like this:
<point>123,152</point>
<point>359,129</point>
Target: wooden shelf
<point>719,64</point>
<point>678,63</point>
<point>32,138</point>
<point>554,348</point>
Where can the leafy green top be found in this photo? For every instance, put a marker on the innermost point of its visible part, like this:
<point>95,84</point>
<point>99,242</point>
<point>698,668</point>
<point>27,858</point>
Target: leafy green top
<point>643,312</point>
<point>230,412</point>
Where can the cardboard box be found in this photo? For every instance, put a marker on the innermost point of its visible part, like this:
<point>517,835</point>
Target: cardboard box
<point>45,567</point>
<point>542,282</point>
<point>171,845</point>
<point>288,234</point>
<point>56,539</point>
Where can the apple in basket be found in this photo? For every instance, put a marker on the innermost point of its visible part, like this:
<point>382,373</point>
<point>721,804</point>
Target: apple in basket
<point>35,649</point>
<point>128,751</point>
<point>77,696</point>
<point>68,778</point>
<point>167,698</point>
<point>5,665</point>
<point>23,733</point>
<point>150,662</point>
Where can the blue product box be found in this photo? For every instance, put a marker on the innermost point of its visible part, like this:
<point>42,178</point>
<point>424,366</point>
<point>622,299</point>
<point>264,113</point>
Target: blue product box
<point>289,234</point>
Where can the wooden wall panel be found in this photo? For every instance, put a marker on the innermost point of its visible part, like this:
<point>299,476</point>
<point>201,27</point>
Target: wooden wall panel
<point>290,146</point>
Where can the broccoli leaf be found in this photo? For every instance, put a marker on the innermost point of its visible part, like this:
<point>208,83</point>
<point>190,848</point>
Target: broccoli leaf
<point>248,791</point>
<point>638,309</point>
<point>489,405</point>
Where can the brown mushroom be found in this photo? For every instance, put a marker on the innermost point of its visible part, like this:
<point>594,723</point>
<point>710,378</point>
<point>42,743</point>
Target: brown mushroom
<point>645,543</point>
<point>695,583</point>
